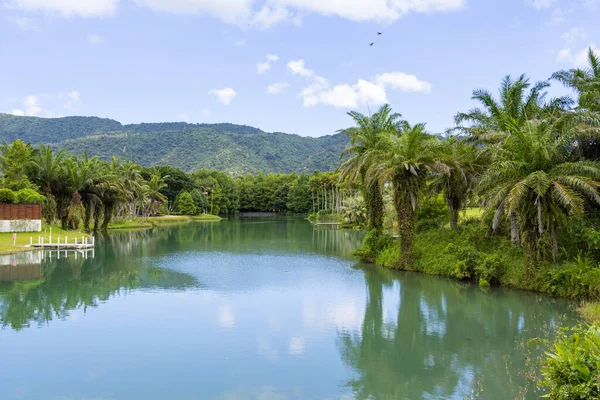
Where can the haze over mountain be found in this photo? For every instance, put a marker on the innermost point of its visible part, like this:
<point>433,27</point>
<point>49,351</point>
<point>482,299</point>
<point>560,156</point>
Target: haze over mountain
<point>236,149</point>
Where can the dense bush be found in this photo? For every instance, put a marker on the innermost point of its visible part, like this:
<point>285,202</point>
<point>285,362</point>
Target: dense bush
<point>373,245</point>
<point>29,196</point>
<point>577,279</point>
<point>7,196</point>
<point>185,204</point>
<point>572,369</point>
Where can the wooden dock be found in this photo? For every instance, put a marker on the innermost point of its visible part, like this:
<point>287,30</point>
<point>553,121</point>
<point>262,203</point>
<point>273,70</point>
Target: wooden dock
<point>83,244</point>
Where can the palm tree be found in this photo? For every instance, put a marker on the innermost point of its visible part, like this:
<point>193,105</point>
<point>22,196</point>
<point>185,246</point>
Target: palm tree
<point>47,171</point>
<point>519,102</point>
<point>364,141</point>
<point>584,81</point>
<point>153,195</point>
<point>406,159</point>
<point>462,163</point>
<point>532,177</point>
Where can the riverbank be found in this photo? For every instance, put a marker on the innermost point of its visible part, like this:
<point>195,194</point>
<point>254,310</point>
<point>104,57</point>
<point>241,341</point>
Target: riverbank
<point>7,245</point>
<point>151,222</point>
<point>470,253</point>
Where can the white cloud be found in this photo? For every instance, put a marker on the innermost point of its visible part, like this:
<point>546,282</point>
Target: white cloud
<point>266,65</point>
<point>277,87</point>
<point>542,4</point>
<point>266,14</point>
<point>25,24</point>
<point>30,106</point>
<point>225,95</point>
<point>403,82</point>
<point>205,112</point>
<point>68,8</point>
<point>578,59</point>
<point>344,96</point>
<point>298,68</point>
<point>369,10</point>
<point>363,92</point>
<point>269,16</point>
<point>573,36</point>
<point>71,99</point>
<point>95,39</point>
<point>232,11</point>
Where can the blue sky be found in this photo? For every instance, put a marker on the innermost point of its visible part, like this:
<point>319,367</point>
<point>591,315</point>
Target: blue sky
<point>293,66</point>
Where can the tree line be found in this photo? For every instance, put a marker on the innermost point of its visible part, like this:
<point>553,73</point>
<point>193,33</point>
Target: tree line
<point>531,163</point>
<point>87,192</point>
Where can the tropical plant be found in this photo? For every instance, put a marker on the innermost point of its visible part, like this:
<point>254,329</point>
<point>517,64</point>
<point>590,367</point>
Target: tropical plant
<point>465,163</point>
<point>407,156</point>
<point>571,370</point>
<point>532,178</point>
<point>584,81</point>
<point>363,153</point>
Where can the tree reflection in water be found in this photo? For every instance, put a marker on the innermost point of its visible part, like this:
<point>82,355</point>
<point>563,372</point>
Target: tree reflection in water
<point>448,339</point>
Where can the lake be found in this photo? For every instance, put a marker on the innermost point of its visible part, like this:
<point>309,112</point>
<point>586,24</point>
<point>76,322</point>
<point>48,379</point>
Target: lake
<point>269,308</point>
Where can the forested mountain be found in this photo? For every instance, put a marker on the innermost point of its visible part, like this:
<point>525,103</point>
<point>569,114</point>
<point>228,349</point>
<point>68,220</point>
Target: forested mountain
<point>236,149</point>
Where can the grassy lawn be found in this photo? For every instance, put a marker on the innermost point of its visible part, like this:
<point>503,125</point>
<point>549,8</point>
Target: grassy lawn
<point>472,213</point>
<point>206,217</point>
<point>150,222</point>
<point>6,241</point>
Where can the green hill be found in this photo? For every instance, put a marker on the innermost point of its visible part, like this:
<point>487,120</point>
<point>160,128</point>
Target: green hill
<point>236,149</point>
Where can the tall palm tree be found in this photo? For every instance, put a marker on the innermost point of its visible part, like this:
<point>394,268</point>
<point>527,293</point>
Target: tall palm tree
<point>532,177</point>
<point>407,157</point>
<point>363,151</point>
<point>464,164</point>
<point>47,171</point>
<point>584,81</point>
<point>519,102</point>
<point>153,195</point>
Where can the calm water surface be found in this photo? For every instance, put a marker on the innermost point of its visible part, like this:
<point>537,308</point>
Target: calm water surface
<point>253,309</point>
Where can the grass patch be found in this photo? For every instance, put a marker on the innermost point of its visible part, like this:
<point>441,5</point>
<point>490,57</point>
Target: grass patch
<point>590,311</point>
<point>206,217</point>
<point>6,241</point>
<point>472,212</point>
<point>130,224</point>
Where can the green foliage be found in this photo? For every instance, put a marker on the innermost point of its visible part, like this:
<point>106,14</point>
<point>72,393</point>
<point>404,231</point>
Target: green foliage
<point>14,160</point>
<point>571,370</point>
<point>230,148</point>
<point>577,279</point>
<point>185,204</point>
<point>374,243</point>
<point>7,196</point>
<point>29,196</point>
<point>483,283</point>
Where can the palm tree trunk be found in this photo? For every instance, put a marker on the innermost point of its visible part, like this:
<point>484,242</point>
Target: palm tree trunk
<point>514,228</point>
<point>406,222</point>
<point>374,203</point>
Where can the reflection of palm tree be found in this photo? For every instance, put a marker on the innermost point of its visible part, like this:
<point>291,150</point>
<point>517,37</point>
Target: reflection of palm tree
<point>447,336</point>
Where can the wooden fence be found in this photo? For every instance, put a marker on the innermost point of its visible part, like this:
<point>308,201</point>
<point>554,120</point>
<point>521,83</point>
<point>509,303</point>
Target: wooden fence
<point>12,212</point>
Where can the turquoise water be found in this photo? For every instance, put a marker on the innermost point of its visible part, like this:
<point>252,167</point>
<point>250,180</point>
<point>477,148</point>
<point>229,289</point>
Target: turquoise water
<point>255,309</point>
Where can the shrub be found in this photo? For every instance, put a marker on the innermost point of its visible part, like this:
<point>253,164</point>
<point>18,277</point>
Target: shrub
<point>389,256</point>
<point>490,269</point>
<point>577,279</point>
<point>483,283</point>
<point>434,209</point>
<point>468,258</point>
<point>431,223</point>
<point>373,245</point>
<point>29,196</point>
<point>185,204</point>
<point>7,196</point>
<point>572,370</point>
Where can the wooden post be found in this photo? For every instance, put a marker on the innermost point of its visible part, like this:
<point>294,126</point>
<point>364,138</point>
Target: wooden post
<point>66,240</point>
